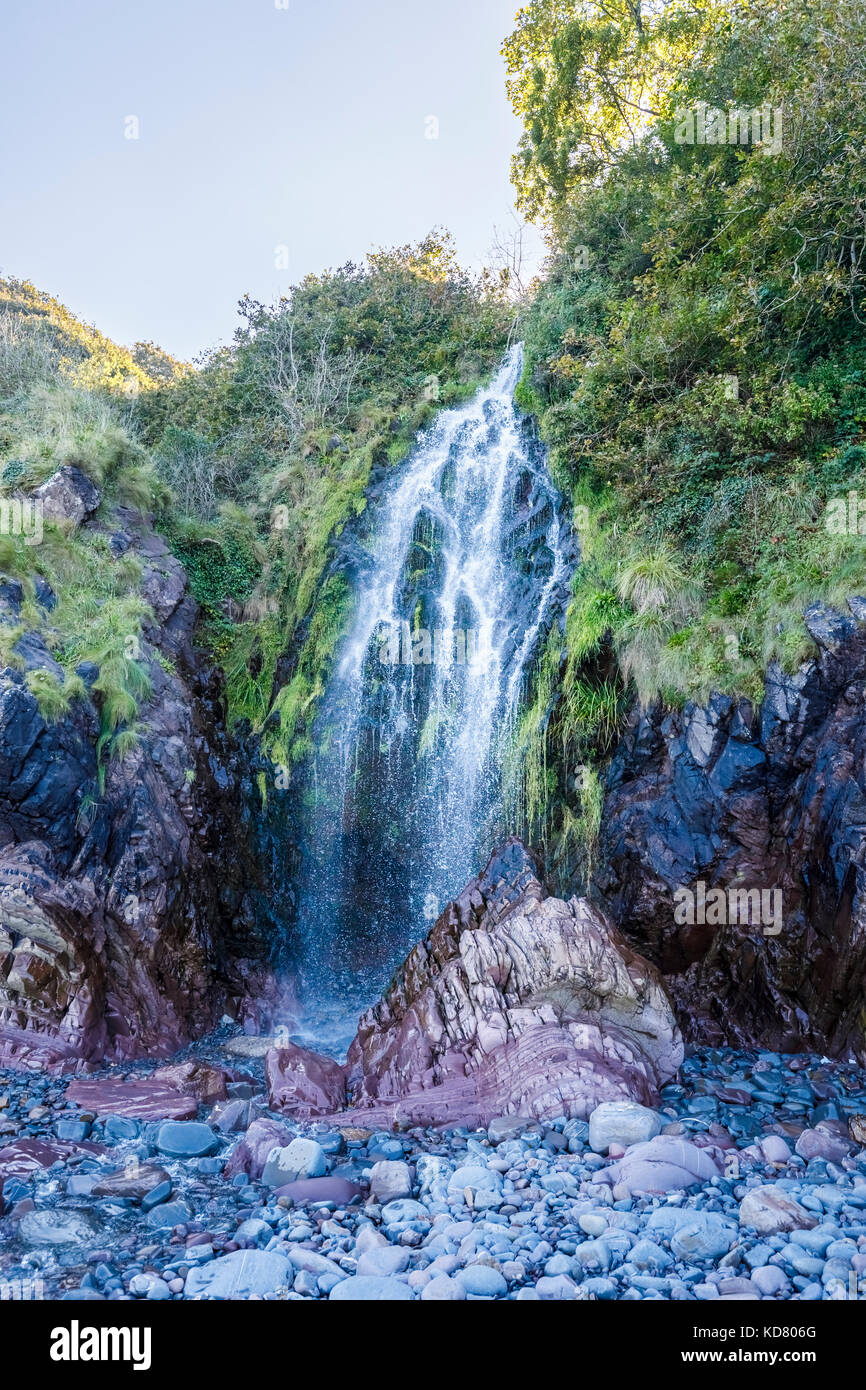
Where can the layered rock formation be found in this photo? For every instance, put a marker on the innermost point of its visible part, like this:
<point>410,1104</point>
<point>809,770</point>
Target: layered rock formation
<point>515,1002</point>
<point>769,799</point>
<point>117,937</point>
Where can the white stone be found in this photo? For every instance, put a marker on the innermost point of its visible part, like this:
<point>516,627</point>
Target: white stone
<point>621,1122</point>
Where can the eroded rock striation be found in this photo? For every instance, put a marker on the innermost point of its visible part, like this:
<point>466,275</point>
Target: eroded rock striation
<point>516,1002</point>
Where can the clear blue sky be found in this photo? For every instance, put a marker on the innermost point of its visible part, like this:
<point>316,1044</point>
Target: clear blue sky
<point>259,127</point>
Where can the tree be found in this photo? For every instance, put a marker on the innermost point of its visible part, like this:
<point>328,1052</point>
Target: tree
<point>588,78</point>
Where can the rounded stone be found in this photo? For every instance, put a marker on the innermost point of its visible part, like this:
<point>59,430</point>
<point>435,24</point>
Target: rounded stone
<point>443,1289</point>
<point>186,1139</point>
<point>621,1122</point>
<point>482,1281</point>
<point>370,1289</point>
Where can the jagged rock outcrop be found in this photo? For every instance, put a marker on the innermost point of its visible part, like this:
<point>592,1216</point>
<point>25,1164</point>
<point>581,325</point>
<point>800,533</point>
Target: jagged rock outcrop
<point>516,1002</point>
<point>127,922</point>
<point>770,799</point>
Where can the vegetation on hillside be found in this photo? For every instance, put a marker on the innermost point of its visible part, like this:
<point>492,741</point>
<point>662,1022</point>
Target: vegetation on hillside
<point>67,398</point>
<point>696,351</point>
<point>253,464</point>
<point>269,449</point>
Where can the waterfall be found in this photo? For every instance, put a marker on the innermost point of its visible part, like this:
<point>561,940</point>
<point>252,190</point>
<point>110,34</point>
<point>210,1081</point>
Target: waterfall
<point>465,568</point>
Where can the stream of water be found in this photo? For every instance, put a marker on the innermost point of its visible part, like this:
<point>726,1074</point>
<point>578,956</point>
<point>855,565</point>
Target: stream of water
<point>465,569</point>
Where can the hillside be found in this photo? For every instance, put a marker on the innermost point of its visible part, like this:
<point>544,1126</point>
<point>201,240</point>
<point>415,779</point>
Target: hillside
<point>695,354</point>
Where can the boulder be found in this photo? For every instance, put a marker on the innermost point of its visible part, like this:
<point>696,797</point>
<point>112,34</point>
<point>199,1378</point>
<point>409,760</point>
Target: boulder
<point>137,1182</point>
<point>68,496</point>
<point>621,1122</point>
<point>390,1180</point>
<point>251,1153</point>
<point>370,1289</point>
<point>516,1002</point>
<point>241,1275</point>
<point>768,1210</point>
<point>817,1143</point>
<point>302,1083</point>
<point>206,1083</point>
<point>664,1164</point>
<point>307,1191</point>
<point>186,1139</point>
<point>136,1100</point>
<point>302,1158</point>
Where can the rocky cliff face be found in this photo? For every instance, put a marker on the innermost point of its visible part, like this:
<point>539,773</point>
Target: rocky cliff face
<point>128,914</point>
<point>770,800</point>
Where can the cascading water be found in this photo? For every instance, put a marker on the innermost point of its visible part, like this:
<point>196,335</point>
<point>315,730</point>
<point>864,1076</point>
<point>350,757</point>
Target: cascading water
<point>465,569</point>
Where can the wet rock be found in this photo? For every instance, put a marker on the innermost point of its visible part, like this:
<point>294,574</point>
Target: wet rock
<point>167,1215</point>
<point>762,800</point>
<point>140,1100</point>
<point>136,1182</point>
<point>830,629</point>
<point>514,1002</point>
<point>177,1139</point>
<point>26,1156</point>
<point>54,1228</point>
<point>117,939</point>
<point>206,1083</point>
<point>303,1083</point>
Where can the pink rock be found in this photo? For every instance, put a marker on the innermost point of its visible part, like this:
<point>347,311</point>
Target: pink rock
<point>250,1154</point>
<point>768,1211</point>
<point>774,1149</point>
<point>206,1083</point>
<point>818,1143</point>
<point>303,1083</point>
<point>663,1164</point>
<point>24,1156</point>
<point>137,1100</point>
<point>308,1190</point>
<point>515,1002</point>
